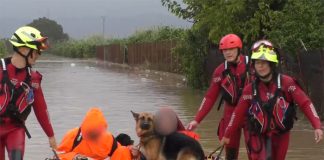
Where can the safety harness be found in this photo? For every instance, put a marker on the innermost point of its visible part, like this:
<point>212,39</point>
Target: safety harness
<point>12,111</point>
<point>267,110</point>
<point>238,89</point>
<point>78,138</point>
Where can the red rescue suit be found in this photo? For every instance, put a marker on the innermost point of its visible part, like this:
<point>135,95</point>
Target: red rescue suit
<point>228,81</point>
<point>12,131</point>
<point>269,125</point>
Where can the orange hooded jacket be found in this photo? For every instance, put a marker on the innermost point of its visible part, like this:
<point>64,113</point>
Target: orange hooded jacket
<point>105,146</point>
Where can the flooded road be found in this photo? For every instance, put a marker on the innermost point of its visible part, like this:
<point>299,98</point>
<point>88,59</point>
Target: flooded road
<point>72,87</point>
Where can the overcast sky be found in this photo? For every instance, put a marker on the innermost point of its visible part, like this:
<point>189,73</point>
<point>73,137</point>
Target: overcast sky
<point>82,18</point>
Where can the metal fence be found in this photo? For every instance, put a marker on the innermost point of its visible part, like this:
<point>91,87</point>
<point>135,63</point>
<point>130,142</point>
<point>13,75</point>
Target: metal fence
<point>311,68</point>
<point>113,53</point>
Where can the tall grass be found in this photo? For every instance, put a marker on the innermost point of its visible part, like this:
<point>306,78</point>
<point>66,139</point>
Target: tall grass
<point>3,48</point>
<point>156,34</point>
<point>86,48</point>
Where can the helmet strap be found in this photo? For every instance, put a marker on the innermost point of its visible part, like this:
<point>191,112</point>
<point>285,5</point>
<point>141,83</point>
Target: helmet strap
<point>236,58</point>
<point>30,54</point>
<point>237,55</point>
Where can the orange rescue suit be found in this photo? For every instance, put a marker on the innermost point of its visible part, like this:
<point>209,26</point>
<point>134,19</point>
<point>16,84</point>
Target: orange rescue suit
<point>100,149</point>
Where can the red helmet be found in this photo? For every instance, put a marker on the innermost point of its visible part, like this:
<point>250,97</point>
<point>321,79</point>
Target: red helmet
<point>230,41</point>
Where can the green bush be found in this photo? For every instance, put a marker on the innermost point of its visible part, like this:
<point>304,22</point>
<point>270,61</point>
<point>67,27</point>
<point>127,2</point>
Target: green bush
<point>84,48</point>
<point>3,49</point>
<point>192,50</point>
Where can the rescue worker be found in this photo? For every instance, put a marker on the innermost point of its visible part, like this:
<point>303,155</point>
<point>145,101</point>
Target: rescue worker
<point>228,80</point>
<point>20,92</point>
<point>92,140</point>
<point>268,107</point>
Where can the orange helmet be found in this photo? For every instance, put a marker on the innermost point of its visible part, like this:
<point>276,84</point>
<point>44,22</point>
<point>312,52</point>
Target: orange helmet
<point>230,41</point>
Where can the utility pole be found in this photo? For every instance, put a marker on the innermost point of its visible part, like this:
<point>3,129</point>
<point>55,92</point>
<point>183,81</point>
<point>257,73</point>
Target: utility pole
<point>48,13</point>
<point>103,25</point>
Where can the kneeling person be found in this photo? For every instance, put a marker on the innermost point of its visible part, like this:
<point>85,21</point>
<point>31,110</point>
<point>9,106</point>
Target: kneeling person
<point>92,140</point>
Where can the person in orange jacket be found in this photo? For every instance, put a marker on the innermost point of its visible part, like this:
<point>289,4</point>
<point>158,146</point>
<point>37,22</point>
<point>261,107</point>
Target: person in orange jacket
<point>92,140</point>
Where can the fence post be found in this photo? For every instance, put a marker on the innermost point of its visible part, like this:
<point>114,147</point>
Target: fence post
<point>322,68</point>
<point>171,56</point>
<point>104,53</point>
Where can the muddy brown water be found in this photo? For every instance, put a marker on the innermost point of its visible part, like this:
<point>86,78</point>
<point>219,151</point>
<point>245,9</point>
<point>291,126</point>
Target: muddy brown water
<point>71,87</point>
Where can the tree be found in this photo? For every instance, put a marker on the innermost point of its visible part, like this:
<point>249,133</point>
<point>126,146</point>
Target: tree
<point>192,50</point>
<point>299,22</point>
<point>50,28</point>
<point>285,22</point>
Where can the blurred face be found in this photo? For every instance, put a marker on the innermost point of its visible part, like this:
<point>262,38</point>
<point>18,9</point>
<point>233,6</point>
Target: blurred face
<point>94,134</point>
<point>230,54</point>
<point>262,67</point>
<point>165,122</point>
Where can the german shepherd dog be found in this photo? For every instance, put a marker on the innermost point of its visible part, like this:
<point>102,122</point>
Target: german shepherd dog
<point>175,146</point>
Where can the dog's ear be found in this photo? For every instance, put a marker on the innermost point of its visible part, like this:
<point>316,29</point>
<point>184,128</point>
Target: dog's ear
<point>135,115</point>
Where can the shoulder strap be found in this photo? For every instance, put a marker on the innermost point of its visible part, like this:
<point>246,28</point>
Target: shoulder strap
<point>114,147</point>
<point>246,72</point>
<point>226,70</point>
<point>254,89</point>
<point>246,60</point>
<point>77,139</point>
<point>5,75</point>
<point>279,86</point>
<point>277,93</point>
<point>3,63</point>
<point>225,65</point>
<point>279,81</point>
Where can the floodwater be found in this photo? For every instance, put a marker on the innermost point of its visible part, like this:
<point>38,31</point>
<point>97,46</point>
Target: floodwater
<point>71,87</point>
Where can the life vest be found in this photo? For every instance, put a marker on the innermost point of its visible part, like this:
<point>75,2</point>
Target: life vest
<point>15,100</point>
<point>274,115</point>
<point>231,92</point>
<point>190,134</point>
<point>78,138</point>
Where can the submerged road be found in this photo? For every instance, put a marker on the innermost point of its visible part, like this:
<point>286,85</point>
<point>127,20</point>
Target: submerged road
<point>71,87</point>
